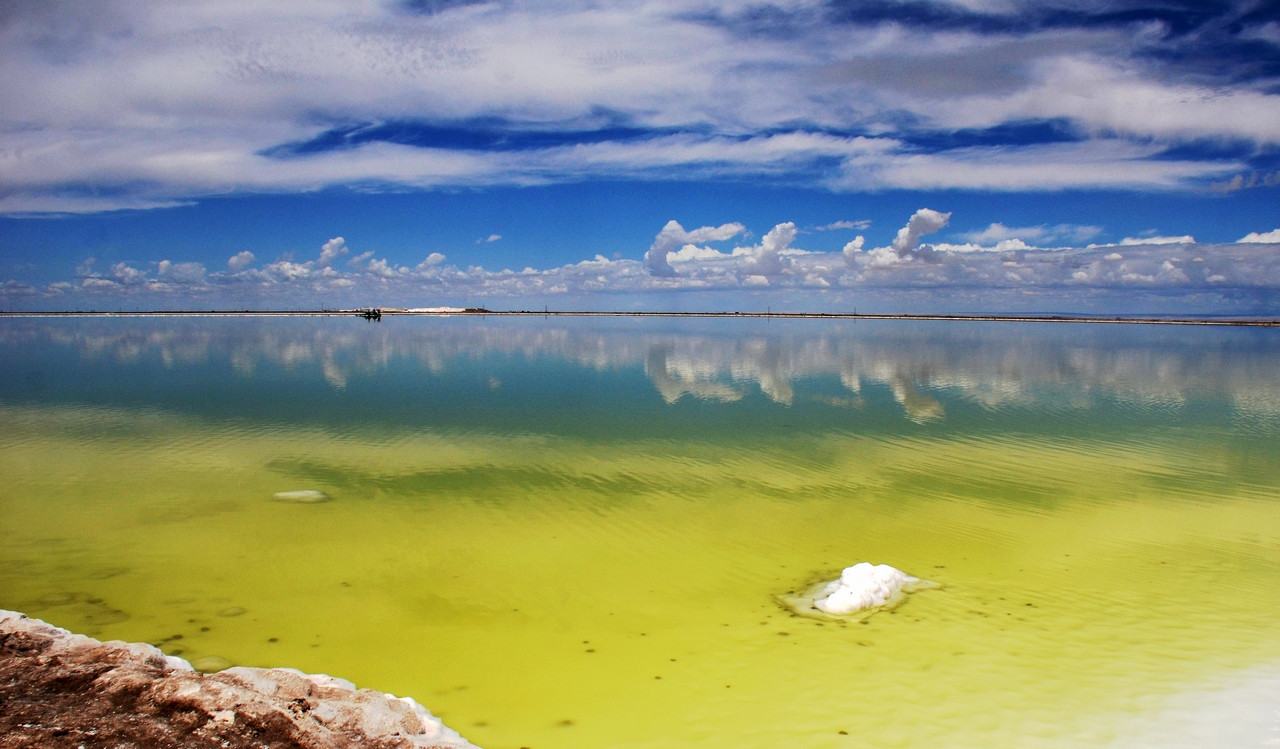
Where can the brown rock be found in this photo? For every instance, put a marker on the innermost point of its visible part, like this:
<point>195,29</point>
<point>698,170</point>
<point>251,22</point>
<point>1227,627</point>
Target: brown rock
<point>59,689</point>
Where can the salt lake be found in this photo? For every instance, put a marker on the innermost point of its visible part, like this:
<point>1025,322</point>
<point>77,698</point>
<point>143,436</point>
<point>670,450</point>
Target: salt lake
<point>581,532</point>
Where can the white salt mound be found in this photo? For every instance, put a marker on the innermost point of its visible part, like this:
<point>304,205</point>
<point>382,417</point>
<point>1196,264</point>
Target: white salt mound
<point>861,590</point>
<point>862,586</point>
<point>302,496</point>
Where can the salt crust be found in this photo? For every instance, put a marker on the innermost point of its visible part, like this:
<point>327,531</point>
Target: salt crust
<point>302,496</point>
<point>336,702</point>
<point>861,590</point>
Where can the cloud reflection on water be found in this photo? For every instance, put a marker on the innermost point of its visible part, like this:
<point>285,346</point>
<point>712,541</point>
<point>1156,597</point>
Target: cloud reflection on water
<point>991,364</point>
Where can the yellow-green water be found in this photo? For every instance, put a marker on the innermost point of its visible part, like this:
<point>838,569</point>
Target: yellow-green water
<point>564,589</point>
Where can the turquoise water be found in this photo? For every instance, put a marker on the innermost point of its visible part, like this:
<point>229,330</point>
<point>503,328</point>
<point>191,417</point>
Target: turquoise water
<point>572,533</point>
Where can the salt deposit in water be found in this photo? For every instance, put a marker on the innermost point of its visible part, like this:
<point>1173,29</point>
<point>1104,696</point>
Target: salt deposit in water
<point>860,591</point>
<point>302,496</point>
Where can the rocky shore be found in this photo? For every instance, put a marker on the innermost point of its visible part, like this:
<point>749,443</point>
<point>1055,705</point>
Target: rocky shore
<point>59,689</point>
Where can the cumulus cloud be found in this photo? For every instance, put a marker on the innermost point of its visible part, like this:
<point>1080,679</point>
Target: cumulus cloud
<point>240,261</point>
<point>12,289</point>
<point>922,222</point>
<point>768,259</point>
<point>126,274</point>
<point>180,273</point>
<point>907,241</point>
<point>1270,237</point>
<point>1008,272</point>
<point>695,252</point>
<point>332,250</point>
<point>852,248</point>
<point>674,235</point>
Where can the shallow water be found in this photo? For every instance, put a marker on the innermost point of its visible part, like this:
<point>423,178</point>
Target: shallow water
<point>571,533</point>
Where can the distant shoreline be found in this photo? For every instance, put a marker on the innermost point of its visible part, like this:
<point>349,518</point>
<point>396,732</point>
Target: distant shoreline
<point>480,312</point>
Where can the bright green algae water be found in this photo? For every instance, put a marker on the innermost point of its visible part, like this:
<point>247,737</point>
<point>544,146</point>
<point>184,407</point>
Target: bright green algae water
<point>571,534</point>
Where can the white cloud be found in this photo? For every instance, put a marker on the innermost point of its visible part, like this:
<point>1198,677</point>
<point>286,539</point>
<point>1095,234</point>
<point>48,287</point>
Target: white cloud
<point>163,103</point>
<point>240,260</point>
<point>922,222</point>
<point>126,274</point>
<point>852,248</point>
<point>837,225</point>
<point>1004,245</point>
<point>180,273</point>
<point>1271,237</point>
<point>695,252</point>
<point>991,274</point>
<point>998,231</point>
<point>1116,98</point>
<point>1155,239</point>
<point>768,260</point>
<point>382,269</point>
<point>907,241</point>
<point>674,235</point>
<point>1035,235</point>
<point>332,250</point>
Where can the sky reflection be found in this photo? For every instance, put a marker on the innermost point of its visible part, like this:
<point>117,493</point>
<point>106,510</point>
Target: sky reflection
<point>928,369</point>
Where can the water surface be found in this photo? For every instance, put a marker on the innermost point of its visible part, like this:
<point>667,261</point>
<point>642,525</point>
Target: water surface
<point>571,533</point>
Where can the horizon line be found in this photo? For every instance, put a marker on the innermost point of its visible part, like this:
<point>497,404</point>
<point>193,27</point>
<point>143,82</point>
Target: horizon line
<point>376,313</point>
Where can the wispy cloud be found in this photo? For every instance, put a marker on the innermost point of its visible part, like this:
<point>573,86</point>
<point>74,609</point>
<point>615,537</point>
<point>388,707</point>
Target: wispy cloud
<point>125,105</point>
<point>842,225</point>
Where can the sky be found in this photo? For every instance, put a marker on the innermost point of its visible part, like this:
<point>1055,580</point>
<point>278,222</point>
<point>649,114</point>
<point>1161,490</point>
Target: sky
<point>916,156</point>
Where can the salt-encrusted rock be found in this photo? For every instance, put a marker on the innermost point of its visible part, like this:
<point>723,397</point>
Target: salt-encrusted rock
<point>59,689</point>
<point>860,591</point>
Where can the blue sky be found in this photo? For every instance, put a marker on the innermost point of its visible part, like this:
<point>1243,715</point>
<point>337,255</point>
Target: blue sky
<point>969,156</point>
